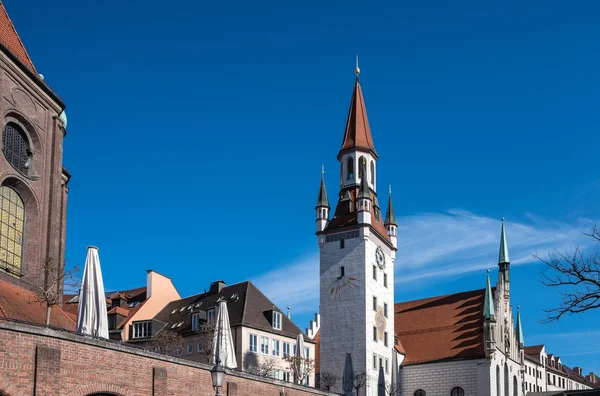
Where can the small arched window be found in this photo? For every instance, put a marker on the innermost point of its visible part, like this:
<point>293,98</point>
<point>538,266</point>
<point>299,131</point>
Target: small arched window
<point>515,386</point>
<point>362,166</point>
<point>506,380</point>
<point>12,222</point>
<point>15,147</point>
<point>373,172</point>
<point>350,168</point>
<point>457,391</point>
<point>419,392</point>
<point>497,380</point>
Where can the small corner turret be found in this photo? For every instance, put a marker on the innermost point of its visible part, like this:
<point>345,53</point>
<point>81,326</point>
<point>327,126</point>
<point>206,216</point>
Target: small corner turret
<point>390,221</point>
<point>322,206</point>
<point>504,263</point>
<point>489,318</point>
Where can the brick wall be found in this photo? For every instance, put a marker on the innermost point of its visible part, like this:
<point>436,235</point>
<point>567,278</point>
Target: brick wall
<point>39,361</point>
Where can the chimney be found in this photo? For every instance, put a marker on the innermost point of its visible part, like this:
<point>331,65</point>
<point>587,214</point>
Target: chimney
<point>289,315</point>
<point>216,287</point>
<point>577,370</point>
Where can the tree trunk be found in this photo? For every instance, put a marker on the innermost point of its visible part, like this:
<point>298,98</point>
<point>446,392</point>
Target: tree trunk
<point>48,310</point>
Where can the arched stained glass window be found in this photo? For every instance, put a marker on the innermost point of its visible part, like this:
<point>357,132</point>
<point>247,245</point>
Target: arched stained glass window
<point>506,380</point>
<point>372,172</point>
<point>350,168</point>
<point>12,222</point>
<point>419,392</point>
<point>15,147</point>
<point>497,380</point>
<point>457,391</point>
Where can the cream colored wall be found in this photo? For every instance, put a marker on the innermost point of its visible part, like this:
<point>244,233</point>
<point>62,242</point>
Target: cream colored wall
<point>160,292</point>
<point>245,356</point>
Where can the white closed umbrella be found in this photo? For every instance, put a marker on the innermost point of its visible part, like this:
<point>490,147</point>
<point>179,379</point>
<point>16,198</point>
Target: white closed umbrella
<point>92,319</point>
<point>300,353</point>
<point>223,352</point>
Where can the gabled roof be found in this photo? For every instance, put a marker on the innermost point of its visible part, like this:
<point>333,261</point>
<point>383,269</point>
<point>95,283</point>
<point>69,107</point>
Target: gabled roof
<point>441,328</point>
<point>20,304</point>
<point>534,349</point>
<point>246,306</point>
<point>358,132</point>
<point>11,40</point>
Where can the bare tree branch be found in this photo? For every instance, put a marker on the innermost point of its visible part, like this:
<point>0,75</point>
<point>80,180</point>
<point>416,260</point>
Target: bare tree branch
<point>55,282</point>
<point>300,367</point>
<point>328,380</point>
<point>577,275</point>
<point>264,367</point>
<point>205,337</point>
<point>359,380</point>
<point>167,341</point>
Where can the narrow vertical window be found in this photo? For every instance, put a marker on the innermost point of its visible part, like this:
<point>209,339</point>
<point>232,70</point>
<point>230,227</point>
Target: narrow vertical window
<point>385,307</point>
<point>374,333</point>
<point>385,280</point>
<point>375,272</point>
<point>342,244</point>
<point>362,166</point>
<point>374,303</point>
<point>350,168</point>
<point>374,362</point>
<point>373,172</point>
<point>12,222</point>
<point>342,271</point>
<point>387,366</point>
<point>385,339</point>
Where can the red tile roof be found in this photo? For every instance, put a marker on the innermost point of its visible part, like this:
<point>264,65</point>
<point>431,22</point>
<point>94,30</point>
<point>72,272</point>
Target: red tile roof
<point>344,218</point>
<point>534,349</point>
<point>20,304</point>
<point>358,131</point>
<point>119,311</point>
<point>11,40</point>
<point>441,328</point>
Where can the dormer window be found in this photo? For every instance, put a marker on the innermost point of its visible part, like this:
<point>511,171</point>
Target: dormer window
<point>195,321</point>
<point>277,320</point>
<point>210,316</point>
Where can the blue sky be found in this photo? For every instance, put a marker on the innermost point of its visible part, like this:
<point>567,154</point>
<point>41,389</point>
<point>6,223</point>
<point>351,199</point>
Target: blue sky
<point>197,131</point>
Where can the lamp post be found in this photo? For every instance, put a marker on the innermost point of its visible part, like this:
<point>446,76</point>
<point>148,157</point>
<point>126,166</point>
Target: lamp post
<point>217,373</point>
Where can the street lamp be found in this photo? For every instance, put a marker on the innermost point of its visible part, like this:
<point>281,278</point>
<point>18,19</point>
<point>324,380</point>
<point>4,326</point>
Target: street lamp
<point>217,373</point>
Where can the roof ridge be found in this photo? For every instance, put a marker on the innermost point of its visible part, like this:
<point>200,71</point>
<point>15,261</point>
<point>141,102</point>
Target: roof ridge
<point>243,319</point>
<point>274,305</point>
<point>65,314</point>
<point>443,295</point>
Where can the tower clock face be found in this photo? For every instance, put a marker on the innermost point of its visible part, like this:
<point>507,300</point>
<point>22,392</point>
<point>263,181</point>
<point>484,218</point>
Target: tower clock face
<point>380,257</point>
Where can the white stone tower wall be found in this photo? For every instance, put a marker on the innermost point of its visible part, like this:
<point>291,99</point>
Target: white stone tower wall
<point>343,313</point>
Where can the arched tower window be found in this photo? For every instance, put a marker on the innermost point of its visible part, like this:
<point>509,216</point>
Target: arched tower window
<point>457,391</point>
<point>362,166</point>
<point>515,386</point>
<point>506,380</point>
<point>15,147</point>
<point>419,392</point>
<point>350,168</point>
<point>12,222</point>
<point>373,172</point>
<point>497,380</point>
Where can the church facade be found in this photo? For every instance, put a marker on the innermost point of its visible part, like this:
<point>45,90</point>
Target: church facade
<point>462,344</point>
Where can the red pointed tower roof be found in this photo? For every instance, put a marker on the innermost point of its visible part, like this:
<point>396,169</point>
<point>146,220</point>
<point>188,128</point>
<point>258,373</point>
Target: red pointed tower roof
<point>358,131</point>
<point>11,40</point>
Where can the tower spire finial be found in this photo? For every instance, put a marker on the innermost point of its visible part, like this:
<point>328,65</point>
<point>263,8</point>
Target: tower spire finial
<point>390,189</point>
<point>322,169</point>
<point>357,69</point>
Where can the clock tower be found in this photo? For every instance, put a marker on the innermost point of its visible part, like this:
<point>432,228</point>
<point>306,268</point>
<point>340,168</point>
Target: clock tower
<point>357,255</point>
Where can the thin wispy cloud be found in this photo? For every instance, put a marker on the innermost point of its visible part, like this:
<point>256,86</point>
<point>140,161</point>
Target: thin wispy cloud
<point>435,245</point>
